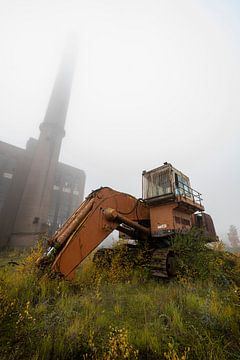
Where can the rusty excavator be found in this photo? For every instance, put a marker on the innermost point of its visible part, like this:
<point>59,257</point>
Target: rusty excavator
<point>168,205</point>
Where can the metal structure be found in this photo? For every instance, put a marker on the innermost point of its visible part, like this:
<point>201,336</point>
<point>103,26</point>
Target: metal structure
<point>169,205</point>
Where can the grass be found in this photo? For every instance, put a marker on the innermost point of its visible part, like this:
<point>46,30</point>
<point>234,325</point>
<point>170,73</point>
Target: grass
<point>121,313</point>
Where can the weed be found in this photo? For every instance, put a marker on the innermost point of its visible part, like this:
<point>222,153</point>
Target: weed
<point>118,347</point>
<point>172,354</point>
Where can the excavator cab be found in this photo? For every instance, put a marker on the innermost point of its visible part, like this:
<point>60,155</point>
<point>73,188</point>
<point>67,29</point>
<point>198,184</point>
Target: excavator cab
<point>171,198</point>
<point>166,182</point>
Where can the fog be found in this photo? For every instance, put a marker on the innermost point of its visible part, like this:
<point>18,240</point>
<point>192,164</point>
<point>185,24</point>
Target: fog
<point>155,81</point>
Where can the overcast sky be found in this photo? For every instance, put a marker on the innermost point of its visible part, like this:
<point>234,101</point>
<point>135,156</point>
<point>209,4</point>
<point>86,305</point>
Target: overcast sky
<point>155,81</point>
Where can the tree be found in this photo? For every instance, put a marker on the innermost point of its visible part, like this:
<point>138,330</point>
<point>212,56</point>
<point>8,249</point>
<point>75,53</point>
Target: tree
<point>233,236</point>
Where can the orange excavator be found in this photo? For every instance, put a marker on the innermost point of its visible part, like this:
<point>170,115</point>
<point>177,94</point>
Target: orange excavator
<point>168,205</point>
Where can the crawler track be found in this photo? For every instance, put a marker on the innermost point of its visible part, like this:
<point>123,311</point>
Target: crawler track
<point>162,263</point>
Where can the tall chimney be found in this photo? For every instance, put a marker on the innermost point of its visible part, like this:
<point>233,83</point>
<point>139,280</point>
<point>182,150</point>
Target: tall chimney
<point>32,217</point>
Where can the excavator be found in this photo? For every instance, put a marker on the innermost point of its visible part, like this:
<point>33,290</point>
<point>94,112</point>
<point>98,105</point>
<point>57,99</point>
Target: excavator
<point>169,205</point>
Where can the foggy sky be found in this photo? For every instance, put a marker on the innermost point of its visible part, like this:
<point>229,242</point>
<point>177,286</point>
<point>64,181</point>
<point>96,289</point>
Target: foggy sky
<point>155,81</point>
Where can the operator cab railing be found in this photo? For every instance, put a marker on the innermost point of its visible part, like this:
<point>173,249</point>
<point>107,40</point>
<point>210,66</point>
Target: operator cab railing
<point>182,189</point>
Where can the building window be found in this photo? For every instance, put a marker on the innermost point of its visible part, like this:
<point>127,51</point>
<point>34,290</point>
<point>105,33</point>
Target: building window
<point>7,175</point>
<point>66,190</point>
<point>56,187</point>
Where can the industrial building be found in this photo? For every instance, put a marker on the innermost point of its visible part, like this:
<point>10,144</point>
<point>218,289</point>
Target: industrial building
<point>37,192</point>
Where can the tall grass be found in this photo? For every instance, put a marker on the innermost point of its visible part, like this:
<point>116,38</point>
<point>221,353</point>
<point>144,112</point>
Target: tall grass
<point>121,313</point>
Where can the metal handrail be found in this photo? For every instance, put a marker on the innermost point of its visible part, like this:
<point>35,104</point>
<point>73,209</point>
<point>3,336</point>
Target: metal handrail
<point>186,191</point>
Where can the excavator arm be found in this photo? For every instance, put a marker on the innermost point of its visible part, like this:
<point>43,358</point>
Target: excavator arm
<point>103,211</point>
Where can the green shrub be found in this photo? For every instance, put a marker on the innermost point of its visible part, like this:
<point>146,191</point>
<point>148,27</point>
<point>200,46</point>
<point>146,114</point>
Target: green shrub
<point>197,261</point>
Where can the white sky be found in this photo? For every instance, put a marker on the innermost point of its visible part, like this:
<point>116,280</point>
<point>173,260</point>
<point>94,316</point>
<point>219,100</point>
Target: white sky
<point>155,81</point>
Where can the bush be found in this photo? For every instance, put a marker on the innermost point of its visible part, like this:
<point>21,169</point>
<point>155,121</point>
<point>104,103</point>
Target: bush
<point>196,260</point>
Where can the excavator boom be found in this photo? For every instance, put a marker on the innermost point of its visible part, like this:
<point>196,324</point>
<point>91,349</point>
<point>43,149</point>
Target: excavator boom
<point>103,211</point>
